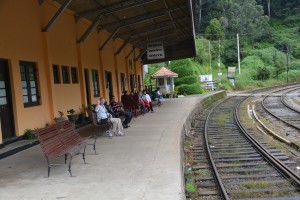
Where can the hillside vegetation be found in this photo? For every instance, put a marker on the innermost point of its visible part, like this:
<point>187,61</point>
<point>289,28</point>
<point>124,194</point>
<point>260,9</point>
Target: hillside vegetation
<point>269,44</point>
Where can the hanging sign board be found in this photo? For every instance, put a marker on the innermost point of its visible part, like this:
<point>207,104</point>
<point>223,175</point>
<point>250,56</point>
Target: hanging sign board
<point>155,50</point>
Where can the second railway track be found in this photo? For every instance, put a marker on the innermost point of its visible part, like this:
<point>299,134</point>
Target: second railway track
<point>240,168</point>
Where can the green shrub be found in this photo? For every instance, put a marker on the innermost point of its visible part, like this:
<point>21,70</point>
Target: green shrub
<point>263,73</point>
<point>182,67</point>
<point>191,187</point>
<point>186,80</point>
<point>295,65</point>
<point>251,62</point>
<point>267,56</point>
<point>190,89</point>
<point>226,84</point>
<point>243,81</point>
<point>28,134</point>
<point>296,50</point>
<point>294,76</point>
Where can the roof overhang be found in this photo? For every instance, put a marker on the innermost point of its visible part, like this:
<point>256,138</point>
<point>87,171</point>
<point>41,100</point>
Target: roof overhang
<point>138,22</point>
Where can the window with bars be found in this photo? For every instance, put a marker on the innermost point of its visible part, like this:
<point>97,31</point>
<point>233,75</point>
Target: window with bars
<point>74,75</point>
<point>29,83</point>
<point>139,83</point>
<point>95,83</point>
<point>122,82</point>
<point>56,75</point>
<point>169,81</point>
<point>161,81</point>
<point>65,74</point>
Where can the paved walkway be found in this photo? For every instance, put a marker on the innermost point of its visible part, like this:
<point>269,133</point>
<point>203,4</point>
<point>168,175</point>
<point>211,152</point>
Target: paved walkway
<point>143,165</point>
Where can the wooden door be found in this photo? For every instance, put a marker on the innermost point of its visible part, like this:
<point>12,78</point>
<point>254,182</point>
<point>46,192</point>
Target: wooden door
<point>6,110</point>
<point>109,85</point>
<point>87,86</point>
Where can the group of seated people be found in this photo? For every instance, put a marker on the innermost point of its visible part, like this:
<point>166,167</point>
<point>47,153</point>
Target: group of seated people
<point>112,114</point>
<point>114,111</point>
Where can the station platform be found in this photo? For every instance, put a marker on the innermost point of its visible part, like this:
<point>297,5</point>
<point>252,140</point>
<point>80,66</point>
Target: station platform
<point>145,164</point>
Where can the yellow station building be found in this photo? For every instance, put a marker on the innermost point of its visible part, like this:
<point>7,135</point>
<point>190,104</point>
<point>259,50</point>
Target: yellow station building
<point>61,54</point>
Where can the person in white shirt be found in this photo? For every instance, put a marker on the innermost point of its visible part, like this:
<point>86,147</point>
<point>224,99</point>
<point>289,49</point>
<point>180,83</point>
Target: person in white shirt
<point>148,98</point>
<point>103,116</point>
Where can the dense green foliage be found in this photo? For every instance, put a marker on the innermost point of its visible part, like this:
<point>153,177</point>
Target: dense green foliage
<point>188,73</point>
<point>269,44</point>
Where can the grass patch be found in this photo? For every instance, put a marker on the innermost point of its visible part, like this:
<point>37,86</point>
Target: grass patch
<point>190,187</point>
<point>255,185</point>
<point>202,172</point>
<point>221,119</point>
<point>236,162</point>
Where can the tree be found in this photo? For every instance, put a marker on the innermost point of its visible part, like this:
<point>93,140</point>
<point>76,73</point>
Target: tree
<point>214,31</point>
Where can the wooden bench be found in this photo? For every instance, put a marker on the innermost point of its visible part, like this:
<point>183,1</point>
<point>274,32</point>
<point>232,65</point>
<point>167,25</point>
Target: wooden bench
<point>131,104</point>
<point>154,103</point>
<point>105,126</point>
<point>59,140</point>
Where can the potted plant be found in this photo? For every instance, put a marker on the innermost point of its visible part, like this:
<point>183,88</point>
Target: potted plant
<point>81,116</point>
<point>72,115</point>
<point>88,109</point>
<point>60,118</point>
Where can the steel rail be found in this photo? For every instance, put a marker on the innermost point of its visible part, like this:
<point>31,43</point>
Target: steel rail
<point>272,114</point>
<point>287,105</point>
<point>287,172</point>
<point>210,158</point>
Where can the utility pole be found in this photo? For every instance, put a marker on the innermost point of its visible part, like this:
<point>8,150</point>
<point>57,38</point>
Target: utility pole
<point>209,56</point>
<point>200,13</point>
<point>287,64</point>
<point>269,8</point>
<point>275,63</point>
<point>219,56</point>
<point>238,48</point>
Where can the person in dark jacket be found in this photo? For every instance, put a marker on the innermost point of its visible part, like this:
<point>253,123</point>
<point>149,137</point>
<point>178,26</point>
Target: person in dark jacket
<point>119,111</point>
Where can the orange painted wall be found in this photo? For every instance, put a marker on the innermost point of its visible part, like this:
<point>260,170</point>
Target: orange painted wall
<point>23,40</point>
<point>88,58</point>
<point>62,51</point>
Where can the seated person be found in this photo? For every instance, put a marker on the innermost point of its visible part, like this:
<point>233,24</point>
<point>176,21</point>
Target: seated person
<point>147,97</point>
<point>124,96</point>
<point>157,96</point>
<point>119,111</point>
<point>145,100</point>
<point>142,103</point>
<point>103,116</point>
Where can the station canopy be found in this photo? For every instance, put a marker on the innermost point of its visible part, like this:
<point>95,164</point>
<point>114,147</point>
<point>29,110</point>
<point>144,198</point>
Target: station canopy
<point>140,22</point>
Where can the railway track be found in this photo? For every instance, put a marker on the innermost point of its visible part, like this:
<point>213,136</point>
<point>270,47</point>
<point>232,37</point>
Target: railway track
<point>244,171</point>
<point>276,105</point>
<point>242,168</point>
<point>291,99</point>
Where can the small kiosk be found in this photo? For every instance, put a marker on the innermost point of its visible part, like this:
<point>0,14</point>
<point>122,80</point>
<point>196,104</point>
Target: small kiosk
<point>165,80</point>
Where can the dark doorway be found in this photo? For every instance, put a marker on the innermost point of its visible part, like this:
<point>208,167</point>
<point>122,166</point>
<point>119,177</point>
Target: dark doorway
<point>87,86</point>
<point>122,82</point>
<point>108,83</point>
<point>6,109</point>
<point>132,83</point>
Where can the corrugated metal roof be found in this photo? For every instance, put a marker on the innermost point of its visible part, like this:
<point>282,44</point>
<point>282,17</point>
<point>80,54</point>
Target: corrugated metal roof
<point>138,22</point>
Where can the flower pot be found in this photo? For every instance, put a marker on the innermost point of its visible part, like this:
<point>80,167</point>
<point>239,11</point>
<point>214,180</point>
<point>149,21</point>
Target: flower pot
<point>90,115</point>
<point>81,119</point>
<point>72,118</point>
<point>59,119</point>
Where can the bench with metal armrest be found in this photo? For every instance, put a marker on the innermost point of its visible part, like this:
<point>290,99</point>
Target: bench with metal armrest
<point>61,139</point>
<point>103,126</point>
